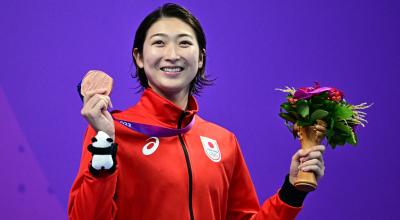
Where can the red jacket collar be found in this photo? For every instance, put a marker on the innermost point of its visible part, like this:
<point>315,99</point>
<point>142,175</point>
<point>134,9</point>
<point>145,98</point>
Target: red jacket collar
<point>156,110</point>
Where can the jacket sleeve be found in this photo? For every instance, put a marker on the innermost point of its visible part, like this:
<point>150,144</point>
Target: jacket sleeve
<point>92,197</point>
<point>243,201</point>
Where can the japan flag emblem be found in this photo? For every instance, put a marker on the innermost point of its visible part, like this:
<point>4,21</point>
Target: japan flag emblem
<point>211,148</point>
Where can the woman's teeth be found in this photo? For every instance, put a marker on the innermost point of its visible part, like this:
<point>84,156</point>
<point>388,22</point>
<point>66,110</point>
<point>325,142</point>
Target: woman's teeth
<point>171,69</point>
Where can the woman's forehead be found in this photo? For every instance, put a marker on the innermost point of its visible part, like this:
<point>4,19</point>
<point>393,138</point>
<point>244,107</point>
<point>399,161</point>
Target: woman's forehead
<point>173,27</point>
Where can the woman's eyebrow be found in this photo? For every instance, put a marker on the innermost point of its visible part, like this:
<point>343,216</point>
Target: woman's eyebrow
<point>165,35</point>
<point>185,35</point>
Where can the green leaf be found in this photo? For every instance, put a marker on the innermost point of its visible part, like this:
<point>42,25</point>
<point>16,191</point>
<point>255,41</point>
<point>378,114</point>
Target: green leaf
<point>332,123</point>
<point>341,141</point>
<point>287,106</point>
<point>330,133</point>
<point>338,140</point>
<point>304,123</point>
<point>329,105</point>
<point>287,117</point>
<point>345,134</point>
<point>318,114</point>
<point>352,139</point>
<point>342,112</point>
<point>317,99</point>
<point>341,126</point>
<point>332,142</point>
<point>317,106</point>
<point>302,108</point>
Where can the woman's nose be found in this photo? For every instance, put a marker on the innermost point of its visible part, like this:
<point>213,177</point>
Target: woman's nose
<point>171,53</point>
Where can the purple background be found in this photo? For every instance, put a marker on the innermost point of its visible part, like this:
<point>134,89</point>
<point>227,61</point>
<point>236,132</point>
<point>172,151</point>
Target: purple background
<point>253,48</point>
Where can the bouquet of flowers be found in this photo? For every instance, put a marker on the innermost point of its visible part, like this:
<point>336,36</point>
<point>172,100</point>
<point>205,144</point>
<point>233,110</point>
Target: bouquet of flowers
<point>306,106</point>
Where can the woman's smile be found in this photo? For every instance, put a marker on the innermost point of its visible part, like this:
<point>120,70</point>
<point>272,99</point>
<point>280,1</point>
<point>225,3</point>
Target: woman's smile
<point>172,70</point>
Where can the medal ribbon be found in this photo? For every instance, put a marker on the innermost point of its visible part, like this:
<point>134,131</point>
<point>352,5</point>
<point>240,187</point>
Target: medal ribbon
<point>155,131</point>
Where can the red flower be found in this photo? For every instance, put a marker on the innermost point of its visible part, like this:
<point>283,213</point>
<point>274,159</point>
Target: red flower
<point>335,94</point>
<point>292,100</point>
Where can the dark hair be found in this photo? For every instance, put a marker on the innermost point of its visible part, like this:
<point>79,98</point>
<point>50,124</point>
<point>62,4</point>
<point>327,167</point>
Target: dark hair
<point>176,11</point>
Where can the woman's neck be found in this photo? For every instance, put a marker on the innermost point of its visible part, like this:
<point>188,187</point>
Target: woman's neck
<point>180,98</point>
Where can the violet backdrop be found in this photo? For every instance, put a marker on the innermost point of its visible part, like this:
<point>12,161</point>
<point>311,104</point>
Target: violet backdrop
<point>253,48</point>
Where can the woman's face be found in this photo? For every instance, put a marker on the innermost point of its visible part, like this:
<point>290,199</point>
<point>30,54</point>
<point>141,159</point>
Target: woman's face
<point>170,56</point>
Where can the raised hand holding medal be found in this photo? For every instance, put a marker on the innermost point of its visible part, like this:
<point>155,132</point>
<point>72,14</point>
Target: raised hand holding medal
<point>95,88</point>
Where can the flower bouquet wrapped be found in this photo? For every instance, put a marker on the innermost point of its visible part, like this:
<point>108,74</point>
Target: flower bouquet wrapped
<point>309,108</point>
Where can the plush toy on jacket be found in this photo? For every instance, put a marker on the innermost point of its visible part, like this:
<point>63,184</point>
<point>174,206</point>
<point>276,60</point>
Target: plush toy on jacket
<point>103,151</point>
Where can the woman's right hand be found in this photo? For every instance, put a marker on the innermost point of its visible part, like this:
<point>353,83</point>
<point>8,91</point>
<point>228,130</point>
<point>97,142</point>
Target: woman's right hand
<point>94,110</point>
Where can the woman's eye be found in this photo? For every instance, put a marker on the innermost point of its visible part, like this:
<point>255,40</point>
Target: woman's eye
<point>158,43</point>
<point>186,43</point>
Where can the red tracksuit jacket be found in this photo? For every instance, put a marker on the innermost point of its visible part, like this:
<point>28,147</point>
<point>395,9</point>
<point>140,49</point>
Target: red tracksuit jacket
<point>200,174</point>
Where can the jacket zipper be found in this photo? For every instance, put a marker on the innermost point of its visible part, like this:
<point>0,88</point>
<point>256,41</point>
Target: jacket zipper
<point>184,148</point>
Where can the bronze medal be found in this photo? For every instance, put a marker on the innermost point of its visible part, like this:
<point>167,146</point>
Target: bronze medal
<point>96,80</point>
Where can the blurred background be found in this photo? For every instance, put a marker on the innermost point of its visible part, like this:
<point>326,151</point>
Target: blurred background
<point>253,47</point>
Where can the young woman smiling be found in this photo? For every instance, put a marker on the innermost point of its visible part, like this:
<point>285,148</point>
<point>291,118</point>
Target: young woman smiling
<point>171,163</point>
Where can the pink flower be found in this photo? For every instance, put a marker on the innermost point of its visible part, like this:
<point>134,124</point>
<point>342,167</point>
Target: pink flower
<point>308,92</point>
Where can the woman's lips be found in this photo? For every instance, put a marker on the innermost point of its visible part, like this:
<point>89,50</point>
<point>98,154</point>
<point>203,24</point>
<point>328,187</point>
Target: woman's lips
<point>172,70</point>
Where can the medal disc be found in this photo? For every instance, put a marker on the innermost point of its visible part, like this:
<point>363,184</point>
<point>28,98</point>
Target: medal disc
<point>96,80</point>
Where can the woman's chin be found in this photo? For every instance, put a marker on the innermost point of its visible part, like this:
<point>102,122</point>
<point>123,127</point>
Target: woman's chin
<point>171,88</point>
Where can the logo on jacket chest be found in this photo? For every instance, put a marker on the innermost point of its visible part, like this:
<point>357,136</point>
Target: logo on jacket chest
<point>151,146</point>
<point>211,148</point>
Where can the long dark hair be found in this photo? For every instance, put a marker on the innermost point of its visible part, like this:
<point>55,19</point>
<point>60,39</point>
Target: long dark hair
<point>175,11</point>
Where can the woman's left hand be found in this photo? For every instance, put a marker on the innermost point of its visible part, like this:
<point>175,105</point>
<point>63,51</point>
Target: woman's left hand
<point>308,160</point>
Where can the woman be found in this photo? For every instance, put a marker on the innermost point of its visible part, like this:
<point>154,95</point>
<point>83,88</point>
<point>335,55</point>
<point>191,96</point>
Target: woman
<point>183,167</point>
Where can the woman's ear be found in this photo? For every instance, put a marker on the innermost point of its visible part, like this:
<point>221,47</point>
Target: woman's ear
<point>201,58</point>
<point>138,58</point>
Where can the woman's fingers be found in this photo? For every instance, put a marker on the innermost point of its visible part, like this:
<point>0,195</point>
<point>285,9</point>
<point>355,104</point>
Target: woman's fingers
<point>311,163</point>
<point>92,102</point>
<point>311,160</point>
<point>315,166</point>
<point>90,94</point>
<point>106,101</point>
<point>297,155</point>
<point>108,116</point>
<point>312,155</point>
<point>96,105</point>
<point>110,103</point>
<point>101,105</point>
<point>316,169</point>
<point>320,148</point>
